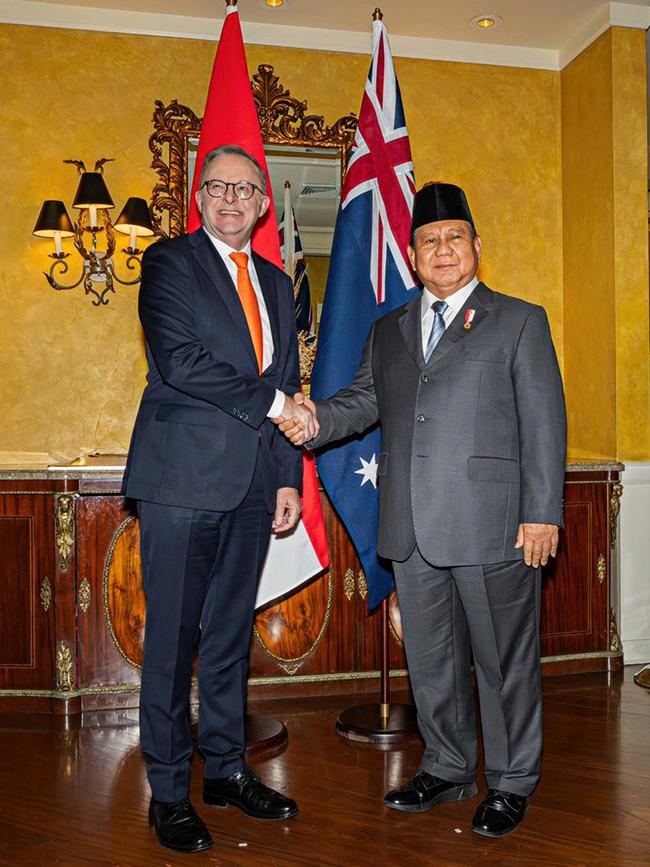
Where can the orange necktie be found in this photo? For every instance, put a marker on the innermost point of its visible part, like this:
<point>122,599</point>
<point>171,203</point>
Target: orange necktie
<point>250,304</point>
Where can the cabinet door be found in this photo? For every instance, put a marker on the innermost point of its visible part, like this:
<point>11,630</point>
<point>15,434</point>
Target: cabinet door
<point>575,586</point>
<point>27,583</point>
<point>110,599</point>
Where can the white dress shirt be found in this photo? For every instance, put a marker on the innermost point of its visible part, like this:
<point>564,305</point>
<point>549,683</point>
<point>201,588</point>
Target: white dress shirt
<point>267,337</point>
<point>455,303</point>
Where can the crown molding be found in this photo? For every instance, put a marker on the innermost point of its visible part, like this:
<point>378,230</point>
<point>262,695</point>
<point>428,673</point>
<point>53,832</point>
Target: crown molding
<point>39,14</point>
<point>612,15</point>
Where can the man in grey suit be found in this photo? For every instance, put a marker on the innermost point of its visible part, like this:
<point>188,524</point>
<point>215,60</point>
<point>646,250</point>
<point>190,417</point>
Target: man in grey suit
<point>466,385</point>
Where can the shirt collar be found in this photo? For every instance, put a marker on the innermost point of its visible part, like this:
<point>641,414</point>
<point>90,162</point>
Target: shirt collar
<point>224,250</point>
<point>454,301</point>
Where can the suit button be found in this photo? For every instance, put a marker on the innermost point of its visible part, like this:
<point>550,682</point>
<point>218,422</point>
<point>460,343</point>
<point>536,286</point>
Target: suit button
<point>420,418</point>
<point>424,378</point>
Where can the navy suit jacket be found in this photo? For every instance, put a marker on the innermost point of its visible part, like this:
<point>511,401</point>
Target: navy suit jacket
<point>202,419</point>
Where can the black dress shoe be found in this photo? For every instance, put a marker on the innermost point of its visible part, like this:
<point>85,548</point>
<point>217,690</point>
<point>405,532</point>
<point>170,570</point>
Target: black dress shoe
<point>425,791</point>
<point>248,792</point>
<point>178,827</point>
<point>499,813</point>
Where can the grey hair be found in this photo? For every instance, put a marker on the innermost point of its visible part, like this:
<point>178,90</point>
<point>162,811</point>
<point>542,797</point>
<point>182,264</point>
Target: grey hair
<point>236,151</point>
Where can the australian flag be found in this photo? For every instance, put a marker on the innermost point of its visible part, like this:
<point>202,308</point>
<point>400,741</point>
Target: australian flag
<point>369,276</point>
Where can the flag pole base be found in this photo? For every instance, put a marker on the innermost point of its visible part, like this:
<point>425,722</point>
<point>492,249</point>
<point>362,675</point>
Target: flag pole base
<point>264,733</point>
<point>365,723</point>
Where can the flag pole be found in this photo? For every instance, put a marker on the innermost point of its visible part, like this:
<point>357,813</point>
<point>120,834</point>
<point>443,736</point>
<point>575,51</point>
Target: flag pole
<point>384,707</point>
<point>363,726</point>
<point>384,722</point>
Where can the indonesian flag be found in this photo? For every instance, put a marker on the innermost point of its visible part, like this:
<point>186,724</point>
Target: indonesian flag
<point>230,117</point>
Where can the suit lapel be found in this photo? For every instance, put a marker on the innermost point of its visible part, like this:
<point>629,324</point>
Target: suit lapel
<point>216,271</point>
<point>480,301</point>
<point>410,326</point>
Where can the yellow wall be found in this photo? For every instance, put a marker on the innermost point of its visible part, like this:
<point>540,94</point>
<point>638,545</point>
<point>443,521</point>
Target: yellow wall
<point>604,156</point>
<point>72,374</point>
<point>631,244</point>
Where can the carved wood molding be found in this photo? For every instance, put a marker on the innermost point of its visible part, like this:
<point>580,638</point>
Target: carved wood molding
<point>173,125</point>
<point>283,120</point>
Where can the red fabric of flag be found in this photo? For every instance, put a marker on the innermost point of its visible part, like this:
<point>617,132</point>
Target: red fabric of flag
<point>231,118</point>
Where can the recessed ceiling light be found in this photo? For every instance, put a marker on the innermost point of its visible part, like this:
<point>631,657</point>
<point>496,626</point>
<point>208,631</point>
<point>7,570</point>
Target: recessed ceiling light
<point>487,21</point>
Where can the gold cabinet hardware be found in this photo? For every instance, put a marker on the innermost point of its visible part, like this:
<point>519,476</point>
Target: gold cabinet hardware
<point>46,594</point>
<point>601,568</point>
<point>348,584</point>
<point>84,596</point>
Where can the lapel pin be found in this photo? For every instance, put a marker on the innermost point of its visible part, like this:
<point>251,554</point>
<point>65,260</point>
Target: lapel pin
<point>469,316</point>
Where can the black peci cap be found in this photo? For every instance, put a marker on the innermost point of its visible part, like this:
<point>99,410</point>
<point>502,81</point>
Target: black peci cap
<point>437,201</point>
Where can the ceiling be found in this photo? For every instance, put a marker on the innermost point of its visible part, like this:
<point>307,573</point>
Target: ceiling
<point>542,33</point>
<point>531,23</point>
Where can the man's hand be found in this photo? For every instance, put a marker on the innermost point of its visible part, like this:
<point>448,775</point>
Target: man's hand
<point>287,510</point>
<point>298,421</point>
<point>539,541</point>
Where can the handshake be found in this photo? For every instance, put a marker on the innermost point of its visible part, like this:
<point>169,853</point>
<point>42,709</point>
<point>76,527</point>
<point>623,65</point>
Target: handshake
<point>298,421</point>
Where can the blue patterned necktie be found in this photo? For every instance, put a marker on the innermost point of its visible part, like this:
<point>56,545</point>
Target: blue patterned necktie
<point>437,329</point>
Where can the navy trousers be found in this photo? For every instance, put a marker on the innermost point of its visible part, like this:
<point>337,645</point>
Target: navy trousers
<point>200,571</point>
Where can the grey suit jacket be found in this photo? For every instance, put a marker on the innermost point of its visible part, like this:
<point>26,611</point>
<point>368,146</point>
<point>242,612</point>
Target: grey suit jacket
<point>473,443</point>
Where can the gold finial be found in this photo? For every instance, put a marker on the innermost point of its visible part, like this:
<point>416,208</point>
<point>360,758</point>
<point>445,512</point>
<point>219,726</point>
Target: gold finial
<point>377,15</point>
<point>231,2</point>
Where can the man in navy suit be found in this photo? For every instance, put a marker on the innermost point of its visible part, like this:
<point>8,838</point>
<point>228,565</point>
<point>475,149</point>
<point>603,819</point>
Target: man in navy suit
<point>212,478</point>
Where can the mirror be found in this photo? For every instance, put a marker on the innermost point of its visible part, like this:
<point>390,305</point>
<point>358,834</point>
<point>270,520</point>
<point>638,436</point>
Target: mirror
<point>300,148</point>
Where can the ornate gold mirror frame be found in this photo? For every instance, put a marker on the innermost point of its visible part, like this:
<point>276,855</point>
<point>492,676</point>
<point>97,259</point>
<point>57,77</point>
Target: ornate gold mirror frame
<point>283,120</point>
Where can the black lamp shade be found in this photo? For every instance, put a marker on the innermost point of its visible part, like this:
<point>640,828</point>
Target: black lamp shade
<point>135,216</point>
<point>53,218</point>
<point>92,192</point>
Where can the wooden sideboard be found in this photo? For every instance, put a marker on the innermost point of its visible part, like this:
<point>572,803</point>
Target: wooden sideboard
<point>72,612</point>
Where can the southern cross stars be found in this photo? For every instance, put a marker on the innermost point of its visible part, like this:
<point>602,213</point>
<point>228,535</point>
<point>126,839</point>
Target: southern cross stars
<point>368,471</point>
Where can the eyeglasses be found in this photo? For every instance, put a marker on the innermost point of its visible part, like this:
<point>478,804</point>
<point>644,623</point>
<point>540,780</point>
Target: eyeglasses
<point>241,189</point>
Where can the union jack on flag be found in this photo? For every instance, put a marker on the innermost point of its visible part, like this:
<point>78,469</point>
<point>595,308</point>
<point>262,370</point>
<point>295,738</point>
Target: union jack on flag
<point>369,276</point>
<point>381,163</point>
<point>294,265</point>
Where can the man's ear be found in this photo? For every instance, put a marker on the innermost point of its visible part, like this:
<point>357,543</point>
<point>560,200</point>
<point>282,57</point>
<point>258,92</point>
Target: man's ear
<point>197,199</point>
<point>411,255</point>
<point>478,246</point>
<point>266,201</point>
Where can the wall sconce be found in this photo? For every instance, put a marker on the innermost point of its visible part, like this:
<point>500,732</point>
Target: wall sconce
<point>93,202</point>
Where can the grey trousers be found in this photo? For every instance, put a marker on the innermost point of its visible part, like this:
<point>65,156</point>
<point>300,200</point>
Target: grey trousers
<point>490,613</point>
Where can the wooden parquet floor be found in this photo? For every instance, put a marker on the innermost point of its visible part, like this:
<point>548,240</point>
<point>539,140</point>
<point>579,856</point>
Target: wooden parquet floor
<point>79,796</point>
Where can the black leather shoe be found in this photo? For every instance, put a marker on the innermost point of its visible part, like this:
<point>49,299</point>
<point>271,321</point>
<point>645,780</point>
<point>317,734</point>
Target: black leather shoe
<point>425,791</point>
<point>499,813</point>
<point>178,827</point>
<point>246,791</point>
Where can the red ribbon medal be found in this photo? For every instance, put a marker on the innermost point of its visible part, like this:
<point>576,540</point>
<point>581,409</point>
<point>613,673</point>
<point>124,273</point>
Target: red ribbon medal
<point>469,316</point>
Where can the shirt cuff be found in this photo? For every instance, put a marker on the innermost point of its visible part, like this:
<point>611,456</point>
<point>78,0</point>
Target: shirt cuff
<point>277,406</point>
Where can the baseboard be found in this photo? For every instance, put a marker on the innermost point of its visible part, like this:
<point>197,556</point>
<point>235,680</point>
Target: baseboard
<point>637,651</point>
<point>634,556</point>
